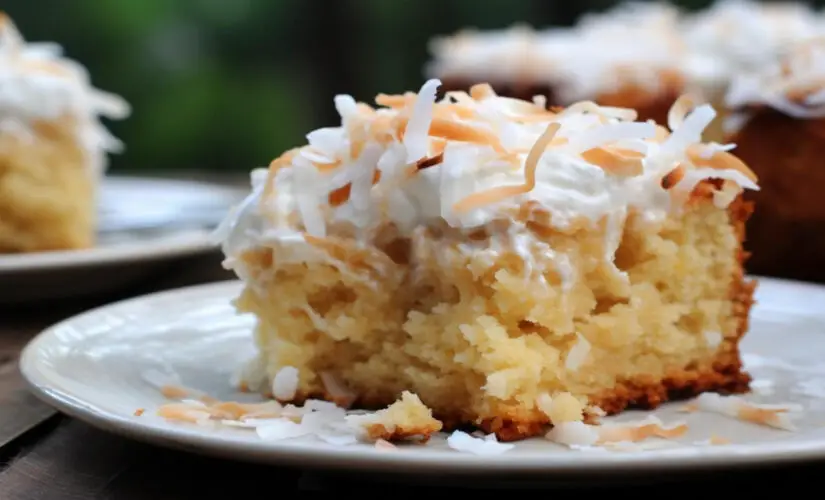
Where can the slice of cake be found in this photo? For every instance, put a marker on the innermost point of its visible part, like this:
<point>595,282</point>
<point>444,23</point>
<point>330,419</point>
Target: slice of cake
<point>641,55</point>
<point>52,146</point>
<point>778,124</point>
<point>508,265</point>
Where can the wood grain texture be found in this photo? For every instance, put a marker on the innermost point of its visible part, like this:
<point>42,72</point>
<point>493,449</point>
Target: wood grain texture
<point>76,461</point>
<point>20,411</point>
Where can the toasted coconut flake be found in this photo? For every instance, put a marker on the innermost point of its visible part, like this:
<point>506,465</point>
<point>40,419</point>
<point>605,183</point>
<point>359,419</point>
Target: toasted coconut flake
<point>733,406</point>
<point>174,392</point>
<point>619,162</point>
<point>482,91</point>
<point>721,160</point>
<point>457,131</point>
<point>679,110</point>
<point>430,162</point>
<point>718,441</point>
<point>395,101</point>
<point>530,165</point>
<point>634,432</point>
<point>341,195</point>
<point>581,434</point>
<point>673,177</point>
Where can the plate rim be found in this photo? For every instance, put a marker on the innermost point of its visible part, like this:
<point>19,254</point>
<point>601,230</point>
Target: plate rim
<point>192,241</point>
<point>344,458</point>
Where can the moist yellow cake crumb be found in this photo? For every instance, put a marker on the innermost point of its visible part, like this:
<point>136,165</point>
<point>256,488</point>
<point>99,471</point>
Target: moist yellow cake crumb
<point>405,418</point>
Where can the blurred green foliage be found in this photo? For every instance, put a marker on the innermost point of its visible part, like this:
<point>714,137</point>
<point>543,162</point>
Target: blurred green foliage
<point>229,84</point>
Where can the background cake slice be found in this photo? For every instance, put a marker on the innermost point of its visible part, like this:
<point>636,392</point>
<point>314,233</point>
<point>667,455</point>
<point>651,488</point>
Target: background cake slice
<point>52,146</point>
<point>778,124</point>
<point>510,266</point>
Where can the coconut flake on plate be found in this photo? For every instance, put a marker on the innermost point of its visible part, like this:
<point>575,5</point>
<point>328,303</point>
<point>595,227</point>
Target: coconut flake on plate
<point>581,434</point>
<point>776,416</point>
<point>762,386</point>
<point>281,429</point>
<point>488,445</point>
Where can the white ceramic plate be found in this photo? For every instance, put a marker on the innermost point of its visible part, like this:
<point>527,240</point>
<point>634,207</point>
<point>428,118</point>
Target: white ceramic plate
<point>92,367</point>
<point>143,224</point>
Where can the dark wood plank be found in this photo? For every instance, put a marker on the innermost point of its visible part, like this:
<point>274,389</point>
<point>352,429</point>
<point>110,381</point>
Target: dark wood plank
<point>76,461</point>
<point>20,411</point>
<point>71,462</point>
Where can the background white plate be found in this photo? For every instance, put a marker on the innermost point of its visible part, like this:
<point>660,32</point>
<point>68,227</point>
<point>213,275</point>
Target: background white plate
<point>144,223</point>
<point>91,367</point>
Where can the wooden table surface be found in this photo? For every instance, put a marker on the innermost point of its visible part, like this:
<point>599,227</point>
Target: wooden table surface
<point>45,455</point>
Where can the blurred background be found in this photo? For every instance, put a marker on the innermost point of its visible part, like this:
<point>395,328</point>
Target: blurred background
<point>226,85</point>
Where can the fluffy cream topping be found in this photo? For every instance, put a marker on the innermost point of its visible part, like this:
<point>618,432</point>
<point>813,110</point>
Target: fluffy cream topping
<point>471,159</point>
<point>794,85</point>
<point>38,84</point>
<point>741,35</point>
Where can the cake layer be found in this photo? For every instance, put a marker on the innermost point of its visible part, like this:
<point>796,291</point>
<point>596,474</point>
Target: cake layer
<point>778,125</point>
<point>481,334</point>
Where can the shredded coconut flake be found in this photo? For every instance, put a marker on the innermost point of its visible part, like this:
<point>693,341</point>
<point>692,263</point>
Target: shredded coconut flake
<point>463,442</point>
<point>416,135</point>
<point>280,429</point>
<point>581,434</point>
<point>777,416</point>
<point>285,383</point>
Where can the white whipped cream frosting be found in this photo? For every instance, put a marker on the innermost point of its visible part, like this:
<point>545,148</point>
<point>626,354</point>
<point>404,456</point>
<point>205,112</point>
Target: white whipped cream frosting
<point>38,84</point>
<point>793,84</point>
<point>569,187</point>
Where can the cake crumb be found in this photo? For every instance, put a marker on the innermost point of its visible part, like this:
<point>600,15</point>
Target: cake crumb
<point>406,418</point>
<point>139,412</point>
<point>563,407</point>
